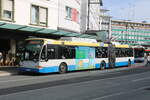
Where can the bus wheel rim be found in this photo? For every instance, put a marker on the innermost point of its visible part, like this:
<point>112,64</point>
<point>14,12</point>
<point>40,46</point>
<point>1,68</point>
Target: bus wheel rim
<point>62,68</point>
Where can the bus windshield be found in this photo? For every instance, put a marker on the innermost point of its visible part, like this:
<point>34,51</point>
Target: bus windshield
<point>32,49</point>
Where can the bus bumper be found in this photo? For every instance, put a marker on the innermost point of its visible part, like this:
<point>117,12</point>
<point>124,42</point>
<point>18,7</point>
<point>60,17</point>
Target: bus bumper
<point>23,69</point>
<point>39,70</point>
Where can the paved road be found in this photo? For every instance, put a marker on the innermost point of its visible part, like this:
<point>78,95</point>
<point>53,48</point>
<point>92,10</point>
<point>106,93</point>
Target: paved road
<point>115,84</point>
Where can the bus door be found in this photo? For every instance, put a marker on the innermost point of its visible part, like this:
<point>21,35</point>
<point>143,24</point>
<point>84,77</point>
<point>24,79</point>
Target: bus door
<point>111,55</point>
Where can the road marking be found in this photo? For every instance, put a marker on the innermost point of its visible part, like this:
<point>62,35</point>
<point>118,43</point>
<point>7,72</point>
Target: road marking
<point>107,96</point>
<point>141,79</point>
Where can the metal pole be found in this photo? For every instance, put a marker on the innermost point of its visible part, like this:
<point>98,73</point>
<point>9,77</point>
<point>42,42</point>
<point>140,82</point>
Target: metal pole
<point>58,13</point>
<point>126,33</point>
<point>109,31</point>
<point>88,19</point>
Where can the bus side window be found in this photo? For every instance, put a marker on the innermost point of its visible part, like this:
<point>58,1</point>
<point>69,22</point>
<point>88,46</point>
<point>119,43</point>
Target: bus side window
<point>119,52</point>
<point>67,52</point>
<point>101,52</point>
<point>98,53</point>
<point>71,52</point>
<point>116,53</point>
<point>130,52</point>
<point>43,54</point>
<point>105,51</point>
<point>51,53</point>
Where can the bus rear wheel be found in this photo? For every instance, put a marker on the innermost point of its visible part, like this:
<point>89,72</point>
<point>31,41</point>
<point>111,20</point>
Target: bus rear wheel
<point>129,63</point>
<point>62,68</point>
<point>102,65</point>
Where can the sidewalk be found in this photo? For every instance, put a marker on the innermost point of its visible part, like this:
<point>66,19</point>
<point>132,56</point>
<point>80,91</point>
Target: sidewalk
<point>8,70</point>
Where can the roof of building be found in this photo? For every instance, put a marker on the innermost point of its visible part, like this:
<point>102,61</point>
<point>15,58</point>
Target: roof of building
<point>128,21</point>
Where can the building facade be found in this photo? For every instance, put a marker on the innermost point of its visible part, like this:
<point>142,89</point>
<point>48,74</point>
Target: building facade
<point>105,23</point>
<point>41,13</point>
<point>90,12</point>
<point>20,19</point>
<point>104,20</point>
<point>69,15</point>
<point>132,33</point>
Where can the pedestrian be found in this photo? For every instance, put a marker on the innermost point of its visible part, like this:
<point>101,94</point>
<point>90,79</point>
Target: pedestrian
<point>1,59</point>
<point>148,60</point>
<point>145,56</point>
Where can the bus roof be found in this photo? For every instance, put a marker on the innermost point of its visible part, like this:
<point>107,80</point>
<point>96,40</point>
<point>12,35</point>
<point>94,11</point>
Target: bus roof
<point>76,43</point>
<point>63,42</point>
<point>122,46</point>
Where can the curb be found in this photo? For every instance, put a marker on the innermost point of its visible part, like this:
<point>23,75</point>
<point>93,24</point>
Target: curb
<point>8,71</point>
<point>5,73</point>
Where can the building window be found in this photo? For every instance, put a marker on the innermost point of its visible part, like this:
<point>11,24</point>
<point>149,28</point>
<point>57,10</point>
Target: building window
<point>68,11</point>
<point>7,7</point>
<point>39,15</point>
<point>72,14</point>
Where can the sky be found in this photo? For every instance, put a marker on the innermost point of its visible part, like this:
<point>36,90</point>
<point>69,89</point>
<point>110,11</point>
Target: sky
<point>135,10</point>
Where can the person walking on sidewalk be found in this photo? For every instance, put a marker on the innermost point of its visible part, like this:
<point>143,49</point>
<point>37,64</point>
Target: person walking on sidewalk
<point>1,59</point>
<point>148,60</point>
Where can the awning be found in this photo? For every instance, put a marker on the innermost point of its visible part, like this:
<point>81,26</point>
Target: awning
<point>37,30</point>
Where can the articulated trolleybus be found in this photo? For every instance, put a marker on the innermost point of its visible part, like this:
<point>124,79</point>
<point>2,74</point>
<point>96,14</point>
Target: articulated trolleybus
<point>47,55</point>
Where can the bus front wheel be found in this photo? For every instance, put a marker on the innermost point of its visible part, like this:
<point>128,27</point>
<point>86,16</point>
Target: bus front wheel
<point>62,68</point>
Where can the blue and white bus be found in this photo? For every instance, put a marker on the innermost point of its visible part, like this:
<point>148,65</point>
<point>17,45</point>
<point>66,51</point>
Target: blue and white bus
<point>47,55</point>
